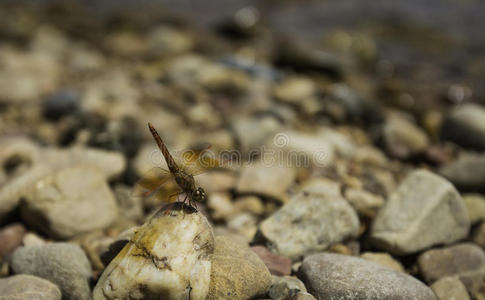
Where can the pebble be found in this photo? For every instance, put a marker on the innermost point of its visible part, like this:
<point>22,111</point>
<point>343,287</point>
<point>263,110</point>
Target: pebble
<point>10,238</point>
<point>333,276</point>
<point>475,205</point>
<point>402,138</point>
<point>303,296</point>
<point>27,287</point>
<point>70,202</point>
<point>425,210</point>
<point>465,125</point>
<point>465,261</point>
<point>266,180</point>
<point>383,259</point>
<point>252,133</point>
<point>478,236</point>
<point>168,257</point>
<point>221,206</point>
<point>277,264</point>
<point>237,272</point>
<point>450,288</point>
<point>285,287</point>
<point>365,203</point>
<point>130,207</point>
<point>467,172</point>
<point>294,90</point>
<point>313,220</point>
<point>61,103</point>
<point>249,204</point>
<point>63,264</point>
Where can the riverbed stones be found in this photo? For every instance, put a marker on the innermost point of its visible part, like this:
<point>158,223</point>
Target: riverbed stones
<point>335,276</point>
<point>425,210</point>
<point>27,287</point>
<point>311,221</point>
<point>467,172</point>
<point>402,138</point>
<point>465,125</point>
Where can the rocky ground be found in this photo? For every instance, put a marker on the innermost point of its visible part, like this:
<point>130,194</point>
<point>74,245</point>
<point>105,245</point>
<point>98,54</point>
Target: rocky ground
<point>346,185</point>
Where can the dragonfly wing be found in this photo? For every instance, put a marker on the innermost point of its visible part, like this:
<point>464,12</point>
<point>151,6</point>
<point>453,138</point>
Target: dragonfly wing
<point>196,161</point>
<point>156,183</point>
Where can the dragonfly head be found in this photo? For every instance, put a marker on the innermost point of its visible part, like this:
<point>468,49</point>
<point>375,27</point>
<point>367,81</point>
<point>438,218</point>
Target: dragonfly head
<point>199,195</point>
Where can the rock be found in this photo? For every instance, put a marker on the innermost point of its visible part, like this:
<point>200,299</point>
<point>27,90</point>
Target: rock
<point>425,210</point>
<point>221,206</point>
<point>330,276</point>
<point>286,287</point>
<point>303,296</point>
<point>311,221</point>
<point>465,125</point>
<point>72,201</point>
<point>464,261</point>
<point>276,264</point>
<point>365,203</point>
<point>237,272</point>
<point>251,134</point>
<point>112,249</point>
<point>216,181</point>
<point>467,172</point>
<point>267,180</point>
<point>383,259</point>
<point>294,90</point>
<point>61,103</point>
<point>243,224</point>
<point>479,235</point>
<point>64,264</point>
<point>370,156</point>
<point>32,239</point>
<point>249,204</point>
<point>10,238</point>
<point>402,138</point>
<point>475,206</point>
<point>27,287</point>
<point>131,207</point>
<point>168,257</point>
<point>450,288</point>
<point>164,40</point>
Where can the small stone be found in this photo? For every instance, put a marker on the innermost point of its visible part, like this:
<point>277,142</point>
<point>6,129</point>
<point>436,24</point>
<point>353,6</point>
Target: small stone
<point>64,264</point>
<point>303,296</point>
<point>237,272</point>
<point>333,276</point>
<point>402,138</point>
<point>294,90</point>
<point>251,134</point>
<point>340,249</point>
<point>425,210</point>
<point>475,205</point>
<point>72,201</point>
<point>467,172</point>
<point>365,203</point>
<point>221,206</point>
<point>277,264</point>
<point>32,239</point>
<point>465,125</point>
<point>285,287</point>
<point>168,257</point>
<point>450,288</point>
<point>465,261</point>
<point>10,238</point>
<point>244,224</point>
<point>383,259</point>
<point>131,207</point>
<point>249,204</point>
<point>266,180</point>
<point>61,103</point>
<point>27,287</point>
<point>164,40</point>
<point>479,235</point>
<point>311,221</point>
<point>370,156</point>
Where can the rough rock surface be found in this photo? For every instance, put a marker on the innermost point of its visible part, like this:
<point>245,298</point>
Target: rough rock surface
<point>28,287</point>
<point>64,264</point>
<point>311,221</point>
<point>336,276</point>
<point>425,210</point>
<point>167,258</point>
<point>237,272</point>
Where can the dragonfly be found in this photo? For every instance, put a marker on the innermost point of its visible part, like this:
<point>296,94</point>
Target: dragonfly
<point>179,177</point>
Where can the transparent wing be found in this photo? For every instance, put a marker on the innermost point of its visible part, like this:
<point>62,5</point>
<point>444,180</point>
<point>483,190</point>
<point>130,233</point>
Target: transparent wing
<point>157,183</point>
<point>196,161</point>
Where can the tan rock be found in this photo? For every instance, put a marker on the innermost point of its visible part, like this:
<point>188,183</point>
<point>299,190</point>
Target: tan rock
<point>383,259</point>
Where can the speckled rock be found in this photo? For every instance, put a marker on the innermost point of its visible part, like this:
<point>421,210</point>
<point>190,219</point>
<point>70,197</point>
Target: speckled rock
<point>425,210</point>
<point>465,125</point>
<point>167,258</point>
<point>383,259</point>
<point>72,201</point>
<point>64,264</point>
<point>465,261</point>
<point>467,172</point>
<point>311,221</point>
<point>237,272</point>
<point>28,287</point>
<point>333,276</point>
<point>450,288</point>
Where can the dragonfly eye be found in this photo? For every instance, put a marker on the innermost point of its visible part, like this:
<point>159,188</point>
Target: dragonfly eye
<point>199,195</point>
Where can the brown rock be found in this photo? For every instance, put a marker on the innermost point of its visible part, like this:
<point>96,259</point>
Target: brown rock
<point>277,264</point>
<point>11,237</point>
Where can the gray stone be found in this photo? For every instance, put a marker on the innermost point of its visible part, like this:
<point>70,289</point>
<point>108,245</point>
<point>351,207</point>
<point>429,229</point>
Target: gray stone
<point>311,221</point>
<point>336,276</point>
<point>450,288</point>
<point>465,261</point>
<point>465,125</point>
<point>402,138</point>
<point>72,201</point>
<point>467,172</point>
<point>425,210</point>
<point>64,264</point>
<point>28,287</point>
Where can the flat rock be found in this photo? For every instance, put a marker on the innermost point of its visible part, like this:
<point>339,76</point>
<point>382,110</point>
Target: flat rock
<point>63,264</point>
<point>465,261</point>
<point>467,172</point>
<point>383,259</point>
<point>334,276</point>
<point>425,210</point>
<point>237,272</point>
<point>450,288</point>
<point>11,237</point>
<point>311,221</point>
<point>465,125</point>
<point>69,202</point>
<point>168,257</point>
<point>28,287</point>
